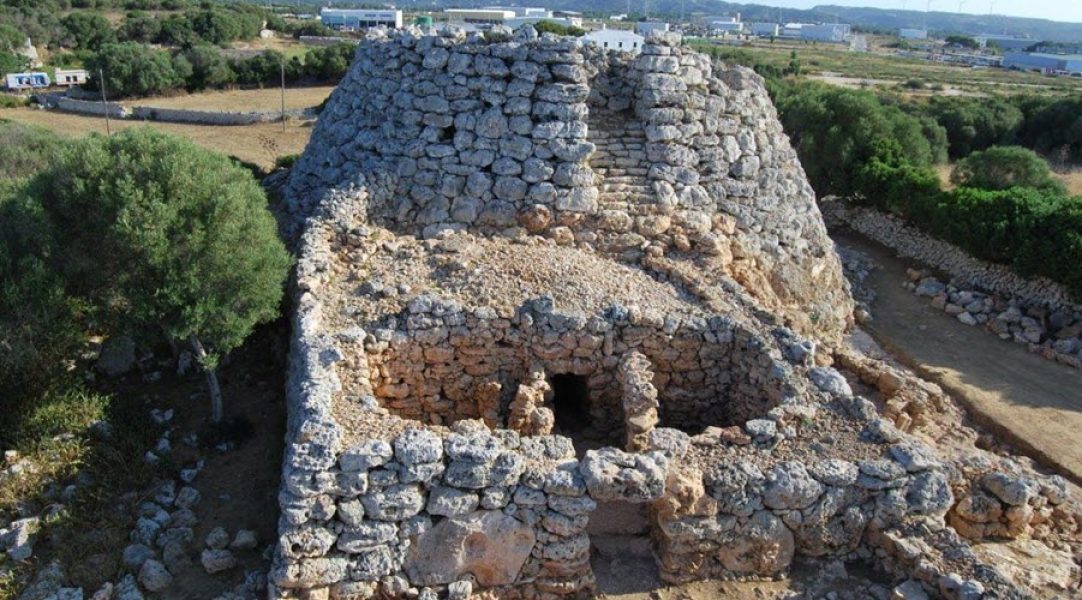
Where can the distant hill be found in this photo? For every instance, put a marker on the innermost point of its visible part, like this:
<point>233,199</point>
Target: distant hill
<point>872,18</point>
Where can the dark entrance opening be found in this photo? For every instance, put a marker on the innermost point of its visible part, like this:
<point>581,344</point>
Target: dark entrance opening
<point>571,403</point>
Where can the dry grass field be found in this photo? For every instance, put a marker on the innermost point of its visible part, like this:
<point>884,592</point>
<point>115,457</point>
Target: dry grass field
<point>259,100</point>
<point>1072,178</point>
<point>258,144</point>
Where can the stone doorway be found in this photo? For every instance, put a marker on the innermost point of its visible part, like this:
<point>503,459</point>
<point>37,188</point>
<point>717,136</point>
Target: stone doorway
<point>571,403</point>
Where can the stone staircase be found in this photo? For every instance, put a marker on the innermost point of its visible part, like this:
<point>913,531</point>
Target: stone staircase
<point>620,161</point>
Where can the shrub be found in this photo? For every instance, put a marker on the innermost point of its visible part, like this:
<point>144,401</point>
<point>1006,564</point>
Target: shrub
<point>132,69</point>
<point>88,30</point>
<point>208,68</point>
<point>975,123</point>
<point>1052,126</point>
<point>1005,167</point>
<point>558,29</point>
<point>12,63</point>
<point>838,132</point>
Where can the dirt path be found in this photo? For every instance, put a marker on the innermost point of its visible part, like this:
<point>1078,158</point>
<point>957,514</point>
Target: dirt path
<point>1034,403</point>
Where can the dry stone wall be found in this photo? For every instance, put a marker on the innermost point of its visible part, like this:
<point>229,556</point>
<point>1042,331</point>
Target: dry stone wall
<point>426,457</point>
<point>659,153</point>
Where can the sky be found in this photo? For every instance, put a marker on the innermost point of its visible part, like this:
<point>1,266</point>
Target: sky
<point>1056,10</point>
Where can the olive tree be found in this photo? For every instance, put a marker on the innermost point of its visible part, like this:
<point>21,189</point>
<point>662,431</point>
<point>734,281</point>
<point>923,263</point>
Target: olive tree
<point>165,238</point>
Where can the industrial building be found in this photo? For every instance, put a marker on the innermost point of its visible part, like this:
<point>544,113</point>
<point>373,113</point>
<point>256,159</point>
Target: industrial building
<point>1004,42</point>
<point>826,32</point>
<point>1066,64</point>
<point>645,27</point>
<point>479,16</point>
<point>913,34</point>
<point>726,25</point>
<point>620,40</point>
<point>350,19</point>
<point>764,29</point>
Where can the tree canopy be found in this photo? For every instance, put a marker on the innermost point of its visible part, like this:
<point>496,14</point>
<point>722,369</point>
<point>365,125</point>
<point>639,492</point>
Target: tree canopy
<point>1005,167</point>
<point>162,237</point>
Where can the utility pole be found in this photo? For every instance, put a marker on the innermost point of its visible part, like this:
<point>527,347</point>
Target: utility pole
<point>104,103</point>
<point>283,65</point>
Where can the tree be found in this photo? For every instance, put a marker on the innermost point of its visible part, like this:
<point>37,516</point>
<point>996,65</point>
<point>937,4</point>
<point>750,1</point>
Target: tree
<point>838,132</point>
<point>975,123</point>
<point>87,30</point>
<point>38,327</point>
<point>1005,167</point>
<point>163,237</point>
<point>133,69</point>
<point>209,68</point>
<point>963,41</point>
<point>544,26</point>
<point>12,63</point>
<point>139,27</point>
<point>329,63</point>
<point>10,38</point>
<point>176,31</point>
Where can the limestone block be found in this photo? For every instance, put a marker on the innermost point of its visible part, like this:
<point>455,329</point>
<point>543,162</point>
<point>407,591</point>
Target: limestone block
<point>612,474</point>
<point>489,545</point>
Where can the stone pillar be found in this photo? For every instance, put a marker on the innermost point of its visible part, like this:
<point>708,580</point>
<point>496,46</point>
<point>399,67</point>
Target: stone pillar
<point>528,414</point>
<point>640,400</point>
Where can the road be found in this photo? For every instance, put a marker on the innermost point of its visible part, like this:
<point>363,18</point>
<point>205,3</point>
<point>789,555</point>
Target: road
<point>1034,403</point>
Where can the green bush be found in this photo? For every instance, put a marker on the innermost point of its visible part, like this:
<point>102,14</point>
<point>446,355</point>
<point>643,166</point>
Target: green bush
<point>88,30</point>
<point>1005,167</point>
<point>1052,126</point>
<point>558,29</point>
<point>133,69</point>
<point>975,123</point>
<point>838,133</point>
<point>162,237</point>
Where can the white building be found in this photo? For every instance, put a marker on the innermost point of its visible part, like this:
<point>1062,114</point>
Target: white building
<point>792,30</point>
<point>486,16</point>
<point>826,32</point>
<point>520,21</point>
<point>619,40</point>
<point>645,27</point>
<point>71,77</point>
<point>731,26</point>
<point>351,19</point>
<point>523,11</point>
<point>764,29</point>
<point>913,34</point>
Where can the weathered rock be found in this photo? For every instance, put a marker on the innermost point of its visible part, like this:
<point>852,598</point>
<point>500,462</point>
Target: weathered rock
<point>488,545</point>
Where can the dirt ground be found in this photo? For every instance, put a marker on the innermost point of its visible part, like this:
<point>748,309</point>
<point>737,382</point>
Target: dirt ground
<point>259,144</point>
<point>263,100</point>
<point>1033,403</point>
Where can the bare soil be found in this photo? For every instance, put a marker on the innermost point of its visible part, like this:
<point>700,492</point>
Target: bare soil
<point>259,144</point>
<point>1030,402</point>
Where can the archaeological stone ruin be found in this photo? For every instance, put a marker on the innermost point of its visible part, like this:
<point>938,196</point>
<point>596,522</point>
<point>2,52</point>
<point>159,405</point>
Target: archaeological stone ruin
<point>541,285</point>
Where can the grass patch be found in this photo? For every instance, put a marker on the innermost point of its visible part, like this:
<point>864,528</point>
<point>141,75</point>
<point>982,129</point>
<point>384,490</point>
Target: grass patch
<point>85,531</point>
<point>7,101</point>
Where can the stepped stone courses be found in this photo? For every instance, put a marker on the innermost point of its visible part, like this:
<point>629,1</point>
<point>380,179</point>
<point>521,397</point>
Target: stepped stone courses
<point>506,241</point>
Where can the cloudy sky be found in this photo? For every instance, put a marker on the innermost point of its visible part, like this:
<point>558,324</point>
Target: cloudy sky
<point>1058,10</point>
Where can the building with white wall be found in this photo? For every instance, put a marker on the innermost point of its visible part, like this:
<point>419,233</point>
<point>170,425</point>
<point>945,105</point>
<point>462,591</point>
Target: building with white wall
<point>645,27</point>
<point>617,40</point>
<point>764,29</point>
<point>913,34</point>
<point>350,18</point>
<point>523,11</point>
<point>826,32</point>
<point>726,27</point>
<point>479,16</point>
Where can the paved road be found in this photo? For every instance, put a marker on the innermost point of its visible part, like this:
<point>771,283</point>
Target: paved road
<point>1036,402</point>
